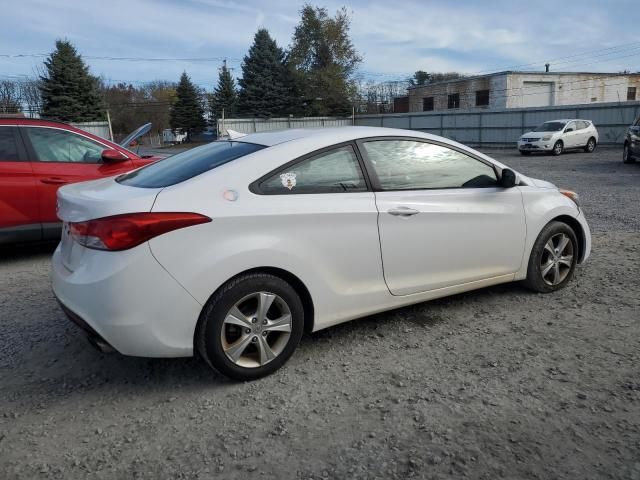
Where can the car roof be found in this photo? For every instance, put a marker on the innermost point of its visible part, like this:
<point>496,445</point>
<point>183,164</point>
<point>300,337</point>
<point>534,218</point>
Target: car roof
<point>11,120</point>
<point>567,120</point>
<point>332,135</point>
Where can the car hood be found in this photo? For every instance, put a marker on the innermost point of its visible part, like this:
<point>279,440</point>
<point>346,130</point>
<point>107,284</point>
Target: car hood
<point>137,133</point>
<point>538,134</point>
<point>540,183</point>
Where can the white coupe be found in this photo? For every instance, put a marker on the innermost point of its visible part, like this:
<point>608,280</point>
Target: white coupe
<point>236,248</point>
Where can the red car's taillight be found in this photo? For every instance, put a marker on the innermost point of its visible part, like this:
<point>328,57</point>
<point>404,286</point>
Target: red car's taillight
<point>121,232</point>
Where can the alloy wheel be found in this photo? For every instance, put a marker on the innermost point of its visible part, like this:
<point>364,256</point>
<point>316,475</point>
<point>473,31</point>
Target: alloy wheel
<point>557,259</point>
<point>591,145</point>
<point>256,329</point>
<point>557,148</point>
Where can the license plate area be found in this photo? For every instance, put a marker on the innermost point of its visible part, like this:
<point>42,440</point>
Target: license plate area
<point>69,248</point>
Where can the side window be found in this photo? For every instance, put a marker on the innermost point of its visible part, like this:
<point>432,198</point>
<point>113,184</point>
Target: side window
<point>413,165</point>
<point>571,125</point>
<point>335,171</point>
<point>8,146</point>
<point>53,145</point>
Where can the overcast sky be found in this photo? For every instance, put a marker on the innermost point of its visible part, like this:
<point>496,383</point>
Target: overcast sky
<point>395,39</point>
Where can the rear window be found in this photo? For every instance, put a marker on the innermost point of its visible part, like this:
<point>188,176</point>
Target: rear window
<point>186,165</point>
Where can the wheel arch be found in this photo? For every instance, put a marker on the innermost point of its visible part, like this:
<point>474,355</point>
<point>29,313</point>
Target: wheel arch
<point>577,228</point>
<point>297,284</point>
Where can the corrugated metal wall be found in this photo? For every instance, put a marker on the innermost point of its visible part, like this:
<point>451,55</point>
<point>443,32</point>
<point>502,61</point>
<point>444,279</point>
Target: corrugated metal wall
<point>251,125</point>
<point>503,127</point>
<point>101,129</point>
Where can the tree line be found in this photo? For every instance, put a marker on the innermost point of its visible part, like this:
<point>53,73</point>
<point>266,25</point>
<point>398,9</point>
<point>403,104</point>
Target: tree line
<point>315,76</point>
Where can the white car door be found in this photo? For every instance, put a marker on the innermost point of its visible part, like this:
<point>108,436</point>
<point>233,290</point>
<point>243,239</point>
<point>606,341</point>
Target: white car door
<point>571,139</point>
<point>443,219</point>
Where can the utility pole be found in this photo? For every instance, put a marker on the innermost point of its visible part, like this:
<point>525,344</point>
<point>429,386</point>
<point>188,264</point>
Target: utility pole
<point>110,129</point>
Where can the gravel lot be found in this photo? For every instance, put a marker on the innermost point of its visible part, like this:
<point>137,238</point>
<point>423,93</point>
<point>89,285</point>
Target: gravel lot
<point>497,383</point>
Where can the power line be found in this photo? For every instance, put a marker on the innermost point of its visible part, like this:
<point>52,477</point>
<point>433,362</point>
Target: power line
<point>129,59</point>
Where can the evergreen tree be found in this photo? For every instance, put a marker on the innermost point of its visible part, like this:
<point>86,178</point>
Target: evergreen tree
<point>187,114</point>
<point>265,87</point>
<point>224,96</point>
<point>69,92</point>
<point>324,59</point>
<point>419,78</point>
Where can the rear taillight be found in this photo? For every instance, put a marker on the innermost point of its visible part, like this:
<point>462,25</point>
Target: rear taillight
<point>121,232</point>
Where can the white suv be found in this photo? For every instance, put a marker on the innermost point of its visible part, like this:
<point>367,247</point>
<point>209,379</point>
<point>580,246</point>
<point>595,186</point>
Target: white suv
<point>556,136</point>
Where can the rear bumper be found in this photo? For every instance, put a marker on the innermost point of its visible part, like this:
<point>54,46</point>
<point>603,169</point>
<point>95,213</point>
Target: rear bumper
<point>127,301</point>
<point>93,337</point>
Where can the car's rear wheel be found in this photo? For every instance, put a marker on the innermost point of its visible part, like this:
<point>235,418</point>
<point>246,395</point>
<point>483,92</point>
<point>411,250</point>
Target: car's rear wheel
<point>590,146</point>
<point>522,152</point>
<point>626,154</point>
<point>250,326</point>
<point>558,148</point>
<point>553,259</point>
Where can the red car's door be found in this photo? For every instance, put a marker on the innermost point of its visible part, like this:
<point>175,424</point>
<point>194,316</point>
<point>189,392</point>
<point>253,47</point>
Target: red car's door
<point>59,157</point>
<point>19,219</point>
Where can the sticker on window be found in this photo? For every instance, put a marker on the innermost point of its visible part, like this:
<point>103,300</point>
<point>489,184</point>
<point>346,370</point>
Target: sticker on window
<point>288,180</point>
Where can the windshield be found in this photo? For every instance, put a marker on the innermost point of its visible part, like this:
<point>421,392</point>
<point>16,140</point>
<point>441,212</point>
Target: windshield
<point>183,166</point>
<point>550,127</point>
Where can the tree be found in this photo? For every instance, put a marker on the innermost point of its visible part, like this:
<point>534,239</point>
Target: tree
<point>9,97</point>
<point>265,86</point>
<point>69,92</point>
<point>419,78</point>
<point>187,113</point>
<point>224,96</point>
<point>323,60</point>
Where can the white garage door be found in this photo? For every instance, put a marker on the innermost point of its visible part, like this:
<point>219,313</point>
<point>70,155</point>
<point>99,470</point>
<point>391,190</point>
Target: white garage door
<point>537,94</point>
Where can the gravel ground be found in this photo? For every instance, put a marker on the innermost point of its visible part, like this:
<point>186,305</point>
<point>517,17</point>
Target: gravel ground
<point>497,383</point>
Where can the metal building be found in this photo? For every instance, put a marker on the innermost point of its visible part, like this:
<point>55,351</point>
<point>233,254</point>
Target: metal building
<point>512,89</point>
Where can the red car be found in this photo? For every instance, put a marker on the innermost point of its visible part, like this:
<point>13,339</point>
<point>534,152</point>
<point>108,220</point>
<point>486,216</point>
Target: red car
<point>36,158</point>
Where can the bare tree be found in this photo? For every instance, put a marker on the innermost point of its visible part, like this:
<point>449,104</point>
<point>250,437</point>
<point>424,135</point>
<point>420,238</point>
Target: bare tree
<point>10,97</point>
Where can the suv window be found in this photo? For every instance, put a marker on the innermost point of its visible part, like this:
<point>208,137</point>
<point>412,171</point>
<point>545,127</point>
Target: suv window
<point>183,166</point>
<point>572,125</point>
<point>334,171</point>
<point>8,146</point>
<point>414,165</point>
<point>54,145</point>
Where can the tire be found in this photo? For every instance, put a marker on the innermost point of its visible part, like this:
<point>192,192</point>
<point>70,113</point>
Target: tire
<point>542,258</point>
<point>591,145</point>
<point>526,154</point>
<point>626,154</point>
<point>222,335</point>
<point>558,148</point>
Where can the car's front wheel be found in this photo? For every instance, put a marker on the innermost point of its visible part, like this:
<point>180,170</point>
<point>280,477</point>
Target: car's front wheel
<point>626,154</point>
<point>558,147</point>
<point>250,326</point>
<point>590,146</point>
<point>553,259</point>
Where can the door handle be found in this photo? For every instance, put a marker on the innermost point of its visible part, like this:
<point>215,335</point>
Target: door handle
<point>53,181</point>
<point>402,212</point>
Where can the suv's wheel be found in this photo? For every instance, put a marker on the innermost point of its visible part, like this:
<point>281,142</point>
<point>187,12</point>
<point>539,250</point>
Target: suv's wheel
<point>553,258</point>
<point>250,326</point>
<point>558,147</point>
<point>626,154</point>
<point>590,146</point>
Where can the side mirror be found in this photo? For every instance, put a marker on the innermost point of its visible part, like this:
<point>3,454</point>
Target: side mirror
<point>111,155</point>
<point>568,130</point>
<point>507,178</point>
